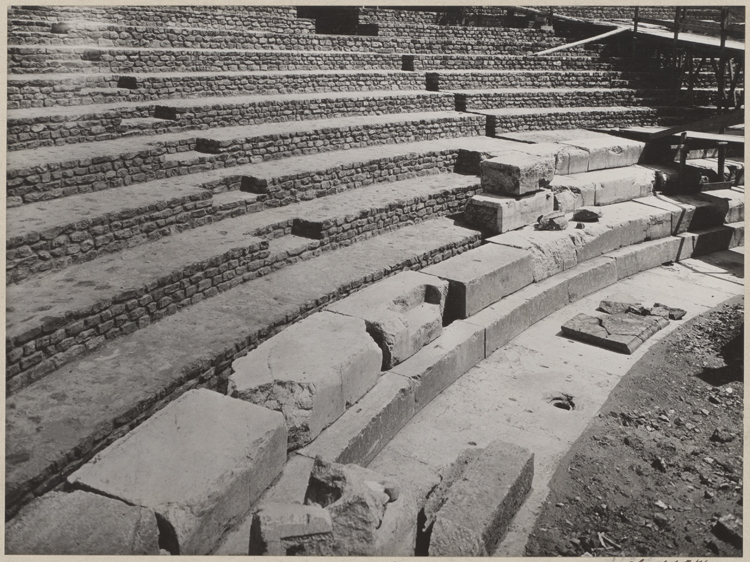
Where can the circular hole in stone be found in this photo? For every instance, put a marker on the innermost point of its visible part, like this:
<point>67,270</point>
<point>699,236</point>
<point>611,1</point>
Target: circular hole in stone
<point>563,401</point>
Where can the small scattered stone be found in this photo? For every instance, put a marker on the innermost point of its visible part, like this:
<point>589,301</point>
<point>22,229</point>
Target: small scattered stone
<point>714,400</point>
<point>619,302</point>
<point>552,221</point>
<point>661,519</point>
<point>661,505</point>
<point>674,313</point>
<point>587,214</point>
<point>722,435</point>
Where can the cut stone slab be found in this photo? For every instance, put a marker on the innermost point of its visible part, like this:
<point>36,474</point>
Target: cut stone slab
<point>671,312</point>
<point>81,523</point>
<point>360,434</point>
<point>290,529</point>
<point>435,367</point>
<point>482,504</point>
<point>497,214</point>
<point>589,277</point>
<point>551,251</point>
<point>622,332</point>
<point>369,518</point>
<point>606,151</point>
<point>309,372</point>
<point>517,173</point>
<point>619,302</point>
<point>482,276</point>
<point>291,485</point>
<point>199,463</point>
<point>552,221</point>
<point>449,475</point>
<point>646,255</point>
<point>574,191</point>
<point>403,313</point>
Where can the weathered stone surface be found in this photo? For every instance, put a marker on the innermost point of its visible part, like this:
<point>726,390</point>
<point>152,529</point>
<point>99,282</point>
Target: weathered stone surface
<point>481,505</point>
<point>309,372</point>
<point>646,255</point>
<point>497,213</point>
<point>681,212</point>
<point>672,313</point>
<point>291,485</point>
<point>589,277</point>
<point>551,251</point>
<point>290,529</point>
<point>81,523</point>
<point>710,240</point>
<point>403,313</point>
<point>365,520</point>
<point>482,276</point>
<point>587,214</point>
<point>618,302</point>
<point>605,151</point>
<point>360,434</point>
<point>449,475</point>
<point>552,221</point>
<point>566,200</point>
<point>458,349</point>
<point>729,528</point>
<point>568,159</point>
<point>199,463</point>
<point>580,185</point>
<point>516,173</point>
<point>515,313</point>
<point>622,332</point>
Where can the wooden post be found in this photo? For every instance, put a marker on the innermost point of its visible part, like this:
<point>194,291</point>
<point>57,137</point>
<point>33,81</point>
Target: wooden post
<point>635,35</point>
<point>722,159</point>
<point>722,63</point>
<point>683,155</point>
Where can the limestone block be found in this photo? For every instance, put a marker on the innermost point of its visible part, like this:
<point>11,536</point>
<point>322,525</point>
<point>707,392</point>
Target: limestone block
<point>551,251</point>
<point>482,504</point>
<point>589,277</point>
<point>81,523</point>
<point>606,151</point>
<point>309,372</point>
<point>623,332</point>
<point>729,204</point>
<point>619,302</point>
<point>647,255</point>
<point>367,521</point>
<point>566,200</point>
<point>482,276</point>
<point>622,184</point>
<point>363,431</point>
<point>555,220</point>
<point>710,240</point>
<point>516,173</point>
<point>497,213</point>
<point>291,485</point>
<point>681,212</point>
<point>515,313</point>
<point>199,463</point>
<point>580,185</point>
<point>290,529</point>
<point>403,313</point>
<point>434,368</point>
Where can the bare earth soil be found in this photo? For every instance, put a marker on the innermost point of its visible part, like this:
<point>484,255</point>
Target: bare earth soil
<point>662,463</point>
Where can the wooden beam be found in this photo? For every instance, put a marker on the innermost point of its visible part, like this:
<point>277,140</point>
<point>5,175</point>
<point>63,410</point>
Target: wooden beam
<point>584,41</point>
<point>724,120</point>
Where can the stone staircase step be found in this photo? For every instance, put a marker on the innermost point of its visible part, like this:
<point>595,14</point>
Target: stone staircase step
<point>131,289</point>
<point>603,187</point>
<point>47,440</point>
<point>37,59</point>
<point>478,100</point>
<point>72,89</point>
<point>200,478</point>
<point>500,122</point>
<point>446,80</point>
<point>52,172</point>
<point>66,125</point>
<point>427,62</point>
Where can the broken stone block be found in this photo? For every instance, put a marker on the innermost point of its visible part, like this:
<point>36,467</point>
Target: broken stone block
<point>729,528</point>
<point>497,214</point>
<point>552,221</point>
<point>199,464</point>
<point>587,214</point>
<point>449,475</point>
<point>366,521</point>
<point>579,185</point>
<point>551,251</point>
<point>403,313</point>
<point>516,173</point>
<point>672,313</point>
<point>607,151</point>
<point>646,255</point>
<point>617,303</point>
<point>81,523</point>
<point>309,372</point>
<point>482,276</point>
<point>622,332</point>
<point>289,529</point>
<point>291,485</point>
<point>481,505</point>
<point>566,201</point>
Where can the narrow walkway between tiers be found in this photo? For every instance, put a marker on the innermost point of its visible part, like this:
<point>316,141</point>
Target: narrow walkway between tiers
<point>509,395</point>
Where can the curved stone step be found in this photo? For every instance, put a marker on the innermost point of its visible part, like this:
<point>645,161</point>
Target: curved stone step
<point>102,396</point>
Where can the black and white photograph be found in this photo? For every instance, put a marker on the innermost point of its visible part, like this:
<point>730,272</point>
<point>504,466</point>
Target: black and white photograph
<point>374,280</point>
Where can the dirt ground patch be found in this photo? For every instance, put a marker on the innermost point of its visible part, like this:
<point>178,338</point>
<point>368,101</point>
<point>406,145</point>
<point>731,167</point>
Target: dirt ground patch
<point>659,467</point>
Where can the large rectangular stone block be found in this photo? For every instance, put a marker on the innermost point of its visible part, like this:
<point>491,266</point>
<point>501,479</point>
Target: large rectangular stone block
<point>580,185</point>
<point>517,173</point>
<point>589,277</point>
<point>434,368</point>
<point>606,151</point>
<point>403,313</point>
<point>622,332</point>
<point>81,523</point>
<point>480,506</point>
<point>309,372</point>
<point>640,257</point>
<point>497,213</point>
<point>515,313</point>
<point>366,428</point>
<point>482,276</point>
<point>680,212</point>
<point>199,464</point>
<point>552,251</point>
